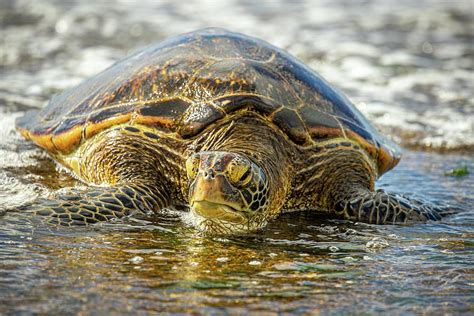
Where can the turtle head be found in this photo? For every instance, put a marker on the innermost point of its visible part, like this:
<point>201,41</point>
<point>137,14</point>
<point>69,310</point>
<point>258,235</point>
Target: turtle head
<point>228,192</point>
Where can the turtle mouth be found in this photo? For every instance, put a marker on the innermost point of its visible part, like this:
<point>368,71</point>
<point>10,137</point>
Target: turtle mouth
<point>218,211</point>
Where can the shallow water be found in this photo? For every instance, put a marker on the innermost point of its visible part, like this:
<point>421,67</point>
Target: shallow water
<point>407,66</point>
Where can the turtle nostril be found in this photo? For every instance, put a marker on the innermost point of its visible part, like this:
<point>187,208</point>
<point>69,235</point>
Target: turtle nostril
<point>209,174</point>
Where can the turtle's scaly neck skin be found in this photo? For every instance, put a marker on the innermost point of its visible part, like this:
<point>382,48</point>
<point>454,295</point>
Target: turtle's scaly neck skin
<point>324,171</point>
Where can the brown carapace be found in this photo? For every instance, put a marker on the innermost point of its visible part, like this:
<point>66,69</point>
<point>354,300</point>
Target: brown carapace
<point>231,126</point>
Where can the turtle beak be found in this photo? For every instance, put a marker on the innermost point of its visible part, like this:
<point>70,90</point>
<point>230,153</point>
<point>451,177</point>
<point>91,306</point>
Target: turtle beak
<point>218,211</point>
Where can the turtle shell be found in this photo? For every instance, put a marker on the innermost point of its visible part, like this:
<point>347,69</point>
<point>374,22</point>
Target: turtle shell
<point>188,82</point>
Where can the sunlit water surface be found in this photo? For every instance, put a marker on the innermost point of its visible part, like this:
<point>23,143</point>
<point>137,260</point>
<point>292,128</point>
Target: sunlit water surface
<point>406,64</point>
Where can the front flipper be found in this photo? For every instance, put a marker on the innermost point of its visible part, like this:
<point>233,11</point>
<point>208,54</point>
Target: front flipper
<point>81,208</point>
<point>380,207</point>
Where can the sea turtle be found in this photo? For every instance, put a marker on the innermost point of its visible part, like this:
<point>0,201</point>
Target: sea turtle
<point>228,125</point>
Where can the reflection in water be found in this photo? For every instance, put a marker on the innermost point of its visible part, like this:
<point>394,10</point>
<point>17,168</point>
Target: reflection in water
<point>410,63</point>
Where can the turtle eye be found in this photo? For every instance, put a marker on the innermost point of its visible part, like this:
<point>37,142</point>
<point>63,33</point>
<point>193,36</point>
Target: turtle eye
<point>239,172</point>
<point>192,167</point>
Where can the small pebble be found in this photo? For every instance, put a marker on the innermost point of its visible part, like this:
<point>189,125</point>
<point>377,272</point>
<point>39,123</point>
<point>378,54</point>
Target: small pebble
<point>377,243</point>
<point>272,254</point>
<point>222,259</point>
<point>255,263</point>
<point>333,248</point>
<point>348,259</point>
<point>136,260</point>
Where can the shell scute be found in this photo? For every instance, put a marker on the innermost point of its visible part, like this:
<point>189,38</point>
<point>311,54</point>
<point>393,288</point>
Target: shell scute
<point>350,126</point>
<point>163,113</point>
<point>106,113</point>
<point>259,103</point>
<point>320,124</point>
<point>290,122</point>
<point>198,118</point>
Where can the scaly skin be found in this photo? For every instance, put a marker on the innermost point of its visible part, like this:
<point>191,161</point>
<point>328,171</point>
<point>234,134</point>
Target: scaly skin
<point>235,177</point>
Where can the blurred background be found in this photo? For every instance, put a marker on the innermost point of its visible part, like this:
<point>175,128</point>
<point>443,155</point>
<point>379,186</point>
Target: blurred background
<point>407,65</point>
